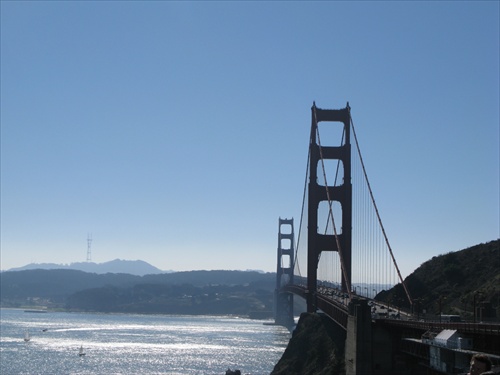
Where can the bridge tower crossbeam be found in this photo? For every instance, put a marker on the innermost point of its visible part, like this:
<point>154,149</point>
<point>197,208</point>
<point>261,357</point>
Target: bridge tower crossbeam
<point>317,242</point>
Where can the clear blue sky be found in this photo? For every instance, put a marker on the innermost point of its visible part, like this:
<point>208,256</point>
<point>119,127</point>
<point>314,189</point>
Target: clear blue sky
<point>177,132</point>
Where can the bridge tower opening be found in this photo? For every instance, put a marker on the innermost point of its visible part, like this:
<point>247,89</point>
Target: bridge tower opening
<point>283,301</point>
<point>317,193</point>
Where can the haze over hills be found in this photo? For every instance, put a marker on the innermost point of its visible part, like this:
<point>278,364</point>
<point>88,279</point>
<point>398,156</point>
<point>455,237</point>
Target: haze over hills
<point>132,267</point>
<point>190,292</point>
<point>452,283</point>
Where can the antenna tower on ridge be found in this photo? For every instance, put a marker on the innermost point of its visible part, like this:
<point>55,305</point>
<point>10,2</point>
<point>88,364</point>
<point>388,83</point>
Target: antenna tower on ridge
<point>89,243</point>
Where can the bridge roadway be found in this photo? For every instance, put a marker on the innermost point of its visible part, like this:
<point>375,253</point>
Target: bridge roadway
<point>335,309</point>
<point>335,305</point>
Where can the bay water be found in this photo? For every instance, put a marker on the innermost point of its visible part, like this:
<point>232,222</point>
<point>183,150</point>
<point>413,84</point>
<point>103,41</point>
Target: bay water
<point>136,344</point>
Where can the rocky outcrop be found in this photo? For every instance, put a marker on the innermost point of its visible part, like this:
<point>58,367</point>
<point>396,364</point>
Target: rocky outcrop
<point>316,347</point>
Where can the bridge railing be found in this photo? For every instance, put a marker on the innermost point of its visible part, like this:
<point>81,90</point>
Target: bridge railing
<point>336,310</point>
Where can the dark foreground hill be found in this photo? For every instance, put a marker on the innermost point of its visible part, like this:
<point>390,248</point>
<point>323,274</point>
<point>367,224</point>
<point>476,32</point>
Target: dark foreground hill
<point>454,282</point>
<point>316,348</point>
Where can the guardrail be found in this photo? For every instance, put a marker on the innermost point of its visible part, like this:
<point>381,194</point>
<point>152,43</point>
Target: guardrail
<point>336,308</point>
<point>465,327</point>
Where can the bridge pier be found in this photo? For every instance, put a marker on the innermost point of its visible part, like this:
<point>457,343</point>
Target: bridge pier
<point>358,345</point>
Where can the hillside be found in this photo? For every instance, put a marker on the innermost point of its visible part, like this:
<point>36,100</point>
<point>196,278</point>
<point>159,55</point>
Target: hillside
<point>455,281</point>
<point>316,348</point>
<point>452,282</point>
<point>194,292</point>
<point>17,287</point>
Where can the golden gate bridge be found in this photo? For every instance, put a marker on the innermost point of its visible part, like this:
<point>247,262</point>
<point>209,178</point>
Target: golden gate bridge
<point>341,257</point>
<point>340,224</point>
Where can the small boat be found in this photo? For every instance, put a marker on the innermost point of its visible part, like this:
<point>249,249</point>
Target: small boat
<point>81,353</point>
<point>27,336</point>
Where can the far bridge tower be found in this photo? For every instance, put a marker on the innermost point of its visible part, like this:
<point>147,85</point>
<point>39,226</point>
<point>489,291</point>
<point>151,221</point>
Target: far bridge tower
<point>283,301</point>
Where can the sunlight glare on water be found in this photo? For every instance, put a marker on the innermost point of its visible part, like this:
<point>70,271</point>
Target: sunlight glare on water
<point>137,344</point>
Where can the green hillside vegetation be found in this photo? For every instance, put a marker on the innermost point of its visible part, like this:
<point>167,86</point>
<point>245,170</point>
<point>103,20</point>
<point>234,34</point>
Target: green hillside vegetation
<point>194,292</point>
<point>183,299</point>
<point>453,283</point>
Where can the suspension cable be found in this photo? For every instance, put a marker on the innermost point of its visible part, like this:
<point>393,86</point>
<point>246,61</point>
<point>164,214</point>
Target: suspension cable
<point>295,260</point>
<point>330,213</point>
<point>377,213</point>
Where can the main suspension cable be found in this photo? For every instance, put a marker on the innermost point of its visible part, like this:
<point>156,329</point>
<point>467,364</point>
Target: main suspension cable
<point>377,213</point>
<point>295,260</point>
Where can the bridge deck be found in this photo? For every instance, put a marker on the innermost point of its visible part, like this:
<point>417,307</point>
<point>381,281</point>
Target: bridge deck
<point>337,310</point>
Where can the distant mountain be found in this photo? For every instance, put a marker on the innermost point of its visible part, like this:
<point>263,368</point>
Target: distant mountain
<point>57,287</point>
<point>132,267</point>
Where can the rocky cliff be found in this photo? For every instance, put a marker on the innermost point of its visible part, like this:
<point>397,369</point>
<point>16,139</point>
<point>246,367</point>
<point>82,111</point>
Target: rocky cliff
<point>316,347</point>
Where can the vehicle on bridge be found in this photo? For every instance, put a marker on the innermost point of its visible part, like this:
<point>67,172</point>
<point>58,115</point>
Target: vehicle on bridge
<point>450,318</point>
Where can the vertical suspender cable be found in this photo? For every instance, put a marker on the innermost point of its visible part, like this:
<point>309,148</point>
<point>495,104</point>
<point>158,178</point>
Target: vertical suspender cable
<point>302,211</point>
<point>378,216</point>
